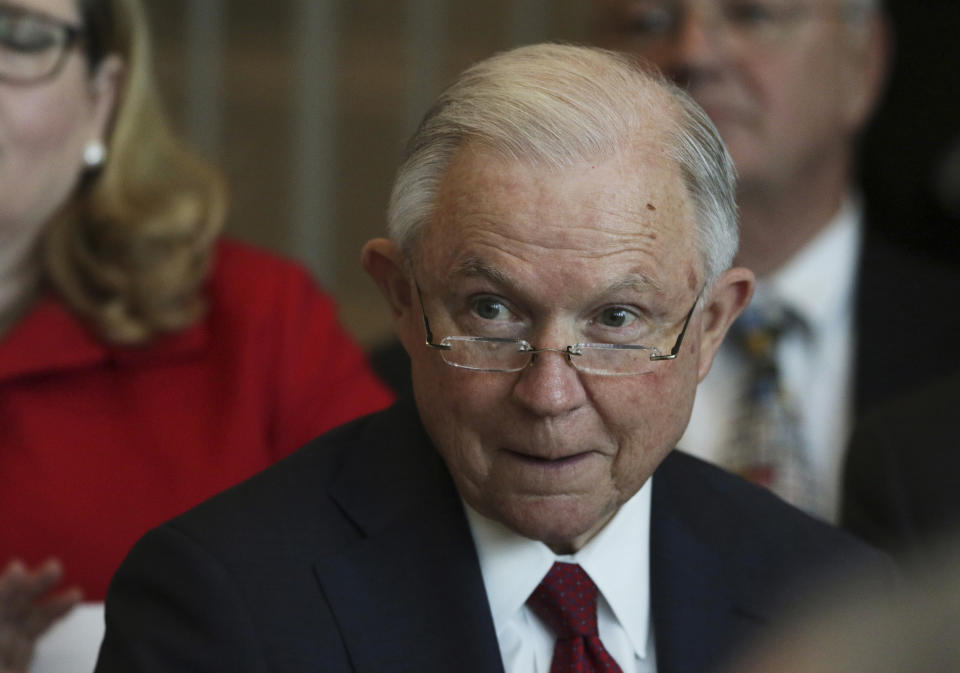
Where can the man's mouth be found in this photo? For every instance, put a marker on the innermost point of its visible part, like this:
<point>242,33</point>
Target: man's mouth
<point>546,461</point>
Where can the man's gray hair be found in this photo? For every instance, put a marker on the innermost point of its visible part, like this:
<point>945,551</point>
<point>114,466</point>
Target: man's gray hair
<point>559,105</point>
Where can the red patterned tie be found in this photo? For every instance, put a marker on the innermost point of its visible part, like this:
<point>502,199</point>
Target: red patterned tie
<point>567,601</point>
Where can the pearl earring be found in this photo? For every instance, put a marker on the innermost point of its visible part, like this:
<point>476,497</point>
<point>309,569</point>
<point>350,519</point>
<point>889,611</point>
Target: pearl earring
<point>94,154</point>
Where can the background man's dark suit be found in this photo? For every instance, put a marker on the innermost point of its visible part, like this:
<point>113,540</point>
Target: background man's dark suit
<point>355,555</point>
<point>907,326</point>
<point>903,492</point>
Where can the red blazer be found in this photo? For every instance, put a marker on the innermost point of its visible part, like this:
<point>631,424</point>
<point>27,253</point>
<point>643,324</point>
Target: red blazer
<point>100,443</point>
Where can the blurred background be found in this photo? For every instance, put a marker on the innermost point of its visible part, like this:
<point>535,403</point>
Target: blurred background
<point>305,104</point>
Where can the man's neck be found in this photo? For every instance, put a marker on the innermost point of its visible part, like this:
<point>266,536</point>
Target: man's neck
<point>775,224</point>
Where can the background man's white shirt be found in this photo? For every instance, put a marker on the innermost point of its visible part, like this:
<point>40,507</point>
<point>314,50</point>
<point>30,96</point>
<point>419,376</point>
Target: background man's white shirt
<point>816,365</point>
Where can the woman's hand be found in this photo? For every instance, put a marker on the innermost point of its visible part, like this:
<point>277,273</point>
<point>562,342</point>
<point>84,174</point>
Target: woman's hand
<point>26,611</point>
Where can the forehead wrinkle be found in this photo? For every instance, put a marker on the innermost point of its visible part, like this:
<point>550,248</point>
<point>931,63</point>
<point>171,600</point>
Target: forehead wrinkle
<point>474,265</point>
<point>622,230</point>
<point>632,221</point>
<point>559,239</point>
<point>639,278</point>
<point>635,280</point>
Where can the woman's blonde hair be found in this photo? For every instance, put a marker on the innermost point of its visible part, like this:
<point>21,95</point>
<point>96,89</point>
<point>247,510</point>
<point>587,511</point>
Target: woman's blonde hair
<point>131,249</point>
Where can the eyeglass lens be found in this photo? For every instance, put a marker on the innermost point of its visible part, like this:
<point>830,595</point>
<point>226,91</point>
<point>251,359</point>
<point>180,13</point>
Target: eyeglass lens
<point>490,355</point>
<point>31,46</point>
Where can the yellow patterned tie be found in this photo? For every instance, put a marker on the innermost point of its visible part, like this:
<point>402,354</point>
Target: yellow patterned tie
<point>766,444</point>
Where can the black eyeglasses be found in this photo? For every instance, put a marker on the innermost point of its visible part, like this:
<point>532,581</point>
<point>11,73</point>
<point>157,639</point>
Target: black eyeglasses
<point>491,354</point>
<point>33,46</point>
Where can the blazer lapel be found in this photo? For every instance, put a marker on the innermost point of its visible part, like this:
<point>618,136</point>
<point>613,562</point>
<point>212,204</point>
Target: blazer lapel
<point>409,595</point>
<point>699,613</point>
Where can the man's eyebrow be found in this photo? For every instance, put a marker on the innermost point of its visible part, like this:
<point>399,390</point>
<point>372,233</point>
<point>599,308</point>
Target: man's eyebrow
<point>634,282</point>
<point>474,266</point>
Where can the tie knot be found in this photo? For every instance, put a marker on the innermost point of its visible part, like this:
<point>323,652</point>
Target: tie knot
<point>759,328</point>
<point>566,600</point>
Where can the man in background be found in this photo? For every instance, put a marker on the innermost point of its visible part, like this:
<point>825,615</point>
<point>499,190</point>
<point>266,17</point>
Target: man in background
<point>841,319</point>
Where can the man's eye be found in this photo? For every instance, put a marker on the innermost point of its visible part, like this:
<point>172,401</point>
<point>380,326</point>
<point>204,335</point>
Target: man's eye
<point>752,13</point>
<point>653,21</point>
<point>616,316</point>
<point>489,308</point>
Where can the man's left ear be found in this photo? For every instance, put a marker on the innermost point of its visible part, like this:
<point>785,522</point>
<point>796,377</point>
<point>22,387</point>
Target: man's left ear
<point>105,85</point>
<point>727,298</point>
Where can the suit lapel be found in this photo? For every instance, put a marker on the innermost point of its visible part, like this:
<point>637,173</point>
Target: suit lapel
<point>409,595</point>
<point>697,601</point>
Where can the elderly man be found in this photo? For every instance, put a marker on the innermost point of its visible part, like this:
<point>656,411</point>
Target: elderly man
<point>559,269</point>
<point>789,84</point>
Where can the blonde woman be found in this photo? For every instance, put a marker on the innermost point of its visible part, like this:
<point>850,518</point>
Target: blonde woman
<point>145,363</point>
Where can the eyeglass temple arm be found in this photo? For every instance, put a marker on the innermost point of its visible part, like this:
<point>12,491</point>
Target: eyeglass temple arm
<point>426,323</point>
<point>672,355</point>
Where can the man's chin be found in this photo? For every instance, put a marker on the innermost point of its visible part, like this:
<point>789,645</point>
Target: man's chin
<point>565,523</point>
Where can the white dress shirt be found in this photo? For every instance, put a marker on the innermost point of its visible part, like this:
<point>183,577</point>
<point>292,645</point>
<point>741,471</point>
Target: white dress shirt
<point>815,363</point>
<point>617,559</point>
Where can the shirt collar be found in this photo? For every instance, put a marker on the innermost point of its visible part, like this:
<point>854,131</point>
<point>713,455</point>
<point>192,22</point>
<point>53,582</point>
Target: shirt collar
<point>617,559</point>
<point>817,283</point>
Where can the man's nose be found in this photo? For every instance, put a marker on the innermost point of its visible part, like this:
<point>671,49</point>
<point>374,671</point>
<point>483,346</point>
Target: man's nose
<point>699,45</point>
<point>550,386</point>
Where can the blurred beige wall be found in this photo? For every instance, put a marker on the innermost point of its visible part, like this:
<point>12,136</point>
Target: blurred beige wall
<point>306,104</point>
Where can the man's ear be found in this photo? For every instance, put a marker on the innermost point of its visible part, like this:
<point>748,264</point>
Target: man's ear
<point>728,297</point>
<point>384,262</point>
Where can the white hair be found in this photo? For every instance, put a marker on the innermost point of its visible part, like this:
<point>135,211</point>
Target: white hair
<point>559,105</point>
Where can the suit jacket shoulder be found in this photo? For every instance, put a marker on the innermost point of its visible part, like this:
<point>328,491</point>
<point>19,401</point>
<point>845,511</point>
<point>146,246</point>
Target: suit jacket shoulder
<point>729,560</point>
<point>340,556</point>
<point>355,552</point>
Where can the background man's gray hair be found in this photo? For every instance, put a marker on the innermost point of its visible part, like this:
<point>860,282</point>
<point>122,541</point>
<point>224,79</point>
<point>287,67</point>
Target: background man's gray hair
<point>558,105</point>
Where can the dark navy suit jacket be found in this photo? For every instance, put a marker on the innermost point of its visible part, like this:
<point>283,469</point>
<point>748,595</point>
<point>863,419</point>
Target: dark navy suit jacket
<point>354,554</point>
<point>903,473</point>
<point>906,320</point>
